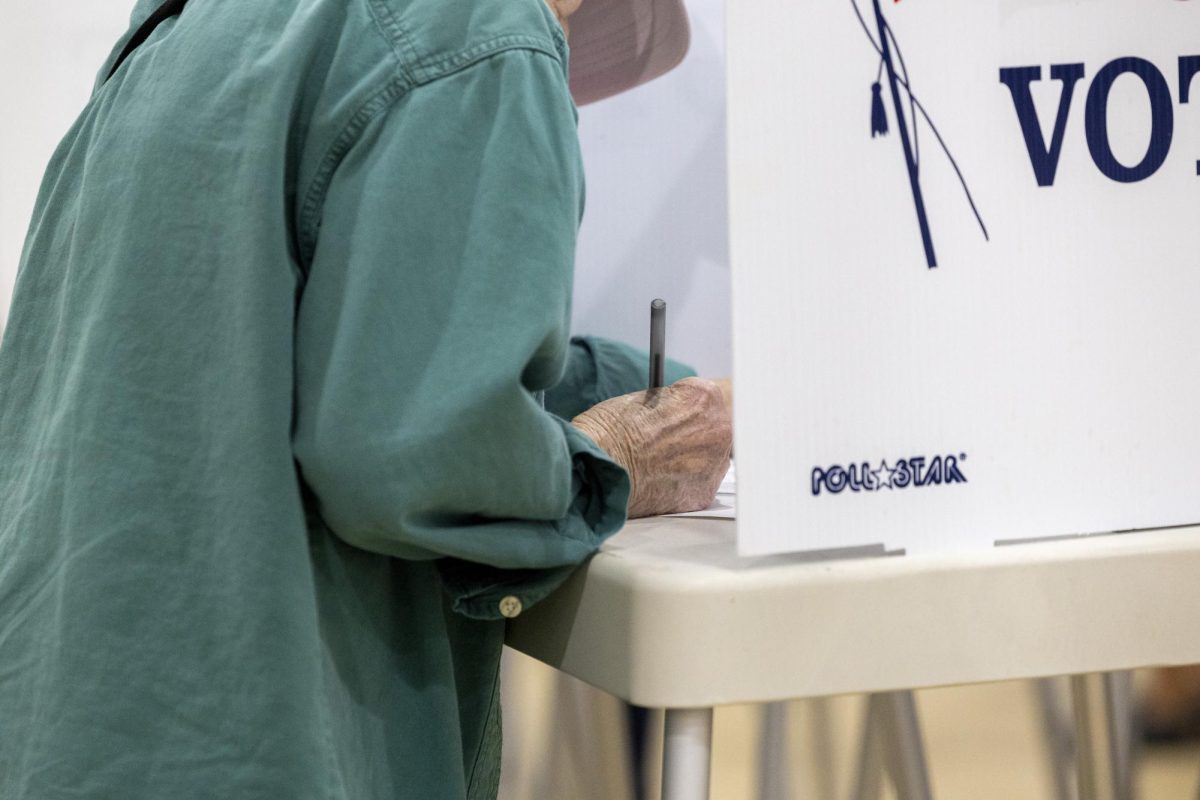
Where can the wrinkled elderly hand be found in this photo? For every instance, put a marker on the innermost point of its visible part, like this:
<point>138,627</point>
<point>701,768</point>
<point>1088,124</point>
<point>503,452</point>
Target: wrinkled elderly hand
<point>674,442</point>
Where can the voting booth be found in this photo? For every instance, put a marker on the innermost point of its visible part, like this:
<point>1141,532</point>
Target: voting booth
<point>966,270</point>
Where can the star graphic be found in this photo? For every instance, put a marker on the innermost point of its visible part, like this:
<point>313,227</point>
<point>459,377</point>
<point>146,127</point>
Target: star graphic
<point>883,476</point>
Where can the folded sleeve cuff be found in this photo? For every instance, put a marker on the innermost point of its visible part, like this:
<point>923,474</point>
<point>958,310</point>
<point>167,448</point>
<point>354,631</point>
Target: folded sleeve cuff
<point>600,498</point>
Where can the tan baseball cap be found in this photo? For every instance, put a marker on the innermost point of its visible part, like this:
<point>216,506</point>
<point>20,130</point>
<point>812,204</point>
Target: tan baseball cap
<point>619,44</point>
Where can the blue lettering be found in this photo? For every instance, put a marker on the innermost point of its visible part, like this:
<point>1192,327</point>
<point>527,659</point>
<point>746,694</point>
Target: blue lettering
<point>1162,120</point>
<point>1188,67</point>
<point>917,464</point>
<point>835,479</point>
<point>914,471</point>
<point>861,478</point>
<point>953,474</point>
<point>853,478</point>
<point>934,476</point>
<point>901,477</point>
<point>1043,159</point>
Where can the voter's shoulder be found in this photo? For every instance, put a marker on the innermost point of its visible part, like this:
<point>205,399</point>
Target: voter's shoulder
<point>433,38</point>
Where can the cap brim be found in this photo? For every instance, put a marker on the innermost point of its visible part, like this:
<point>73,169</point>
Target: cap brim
<point>619,44</point>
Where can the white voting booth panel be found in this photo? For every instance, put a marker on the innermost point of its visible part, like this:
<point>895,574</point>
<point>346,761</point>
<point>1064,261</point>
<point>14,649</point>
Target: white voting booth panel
<point>982,324</point>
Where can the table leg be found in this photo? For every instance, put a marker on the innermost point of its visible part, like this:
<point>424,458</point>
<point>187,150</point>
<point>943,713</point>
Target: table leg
<point>1127,743</point>
<point>687,752</point>
<point>822,732</point>
<point>904,753</point>
<point>1102,735</point>
<point>774,765</point>
<point>1059,738</point>
<point>868,781</point>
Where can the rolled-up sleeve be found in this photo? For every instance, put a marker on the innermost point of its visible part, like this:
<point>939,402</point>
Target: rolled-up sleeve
<point>599,369</point>
<point>435,308</point>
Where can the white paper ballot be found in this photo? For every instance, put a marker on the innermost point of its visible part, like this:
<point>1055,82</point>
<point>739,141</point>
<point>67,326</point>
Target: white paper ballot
<point>966,270</point>
<point>724,506</point>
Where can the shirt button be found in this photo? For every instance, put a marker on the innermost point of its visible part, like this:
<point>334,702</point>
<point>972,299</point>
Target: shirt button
<point>510,607</point>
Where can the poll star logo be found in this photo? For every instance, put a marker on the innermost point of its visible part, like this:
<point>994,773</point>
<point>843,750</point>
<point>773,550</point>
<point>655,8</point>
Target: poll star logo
<point>1044,157</point>
<point>917,471</point>
<point>891,61</point>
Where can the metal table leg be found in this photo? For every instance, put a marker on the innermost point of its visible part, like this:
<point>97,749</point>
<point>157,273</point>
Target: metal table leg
<point>891,739</point>
<point>774,765</point>
<point>868,780</point>
<point>1127,742</point>
<point>822,734</point>
<point>904,751</point>
<point>1058,735</point>
<point>1102,735</point>
<point>687,753</point>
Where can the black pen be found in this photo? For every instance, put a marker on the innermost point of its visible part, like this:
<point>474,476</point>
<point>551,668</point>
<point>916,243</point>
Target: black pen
<point>658,342</point>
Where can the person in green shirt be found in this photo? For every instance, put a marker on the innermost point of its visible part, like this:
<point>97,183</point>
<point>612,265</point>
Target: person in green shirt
<point>274,465</point>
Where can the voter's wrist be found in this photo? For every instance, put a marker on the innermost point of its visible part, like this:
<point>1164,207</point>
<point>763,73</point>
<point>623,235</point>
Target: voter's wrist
<point>609,434</point>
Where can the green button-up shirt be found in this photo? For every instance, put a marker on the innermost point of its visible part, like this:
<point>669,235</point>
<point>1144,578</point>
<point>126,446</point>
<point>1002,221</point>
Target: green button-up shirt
<point>273,464</point>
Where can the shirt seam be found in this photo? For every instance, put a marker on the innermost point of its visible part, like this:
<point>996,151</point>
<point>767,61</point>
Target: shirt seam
<point>377,103</point>
<point>396,37</point>
<point>424,69</point>
<point>381,101</point>
<point>436,67</point>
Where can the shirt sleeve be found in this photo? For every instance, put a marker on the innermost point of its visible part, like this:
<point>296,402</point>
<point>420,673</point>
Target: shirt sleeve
<point>599,369</point>
<point>435,308</point>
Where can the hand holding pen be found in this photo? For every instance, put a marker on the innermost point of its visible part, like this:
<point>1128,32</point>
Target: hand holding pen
<point>674,441</point>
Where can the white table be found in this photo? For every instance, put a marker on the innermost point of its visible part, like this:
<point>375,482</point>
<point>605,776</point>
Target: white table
<point>668,616</point>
